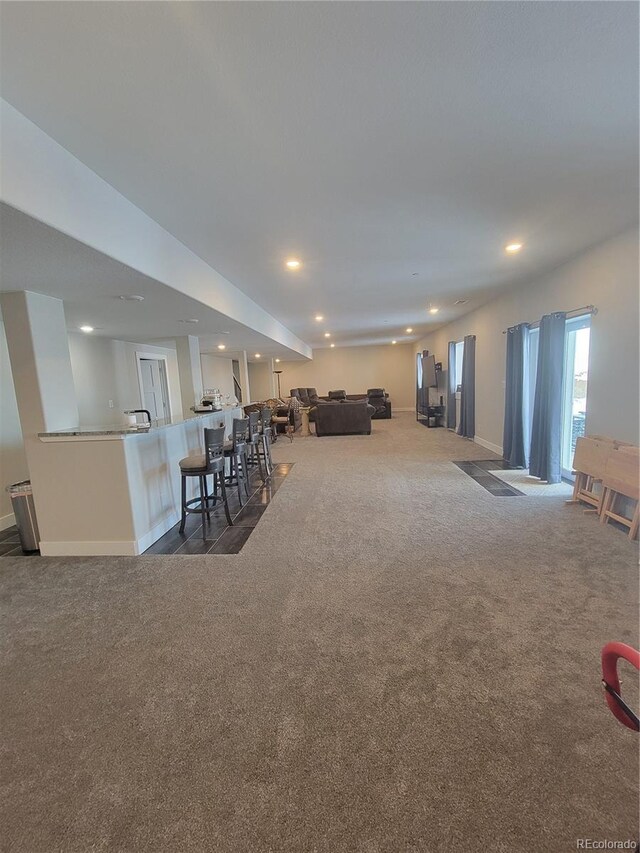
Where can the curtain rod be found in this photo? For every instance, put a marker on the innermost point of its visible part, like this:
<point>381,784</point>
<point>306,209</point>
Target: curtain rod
<point>575,312</point>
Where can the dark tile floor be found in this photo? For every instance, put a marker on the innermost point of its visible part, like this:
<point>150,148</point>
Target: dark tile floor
<point>220,538</point>
<point>480,471</point>
<point>10,544</point>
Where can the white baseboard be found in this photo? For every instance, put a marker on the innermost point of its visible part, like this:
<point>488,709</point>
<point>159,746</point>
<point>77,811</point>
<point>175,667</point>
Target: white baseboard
<point>88,549</point>
<point>156,532</point>
<point>131,548</point>
<point>402,409</point>
<point>7,521</point>
<point>489,445</point>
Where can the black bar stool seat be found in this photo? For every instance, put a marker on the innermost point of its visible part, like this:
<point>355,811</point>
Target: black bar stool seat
<point>265,439</point>
<point>255,442</point>
<point>236,452</point>
<point>203,465</point>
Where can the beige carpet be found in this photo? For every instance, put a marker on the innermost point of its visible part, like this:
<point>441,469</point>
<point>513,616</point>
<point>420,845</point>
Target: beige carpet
<point>396,661</point>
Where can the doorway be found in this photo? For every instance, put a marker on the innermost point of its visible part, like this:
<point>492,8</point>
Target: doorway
<point>154,386</point>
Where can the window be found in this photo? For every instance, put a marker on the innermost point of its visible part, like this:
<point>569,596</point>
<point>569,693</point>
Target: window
<point>574,385</point>
<point>532,370</point>
<point>574,391</point>
<point>459,356</point>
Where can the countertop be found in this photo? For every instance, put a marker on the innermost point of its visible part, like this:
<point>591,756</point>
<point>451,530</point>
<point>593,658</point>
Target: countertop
<point>116,430</point>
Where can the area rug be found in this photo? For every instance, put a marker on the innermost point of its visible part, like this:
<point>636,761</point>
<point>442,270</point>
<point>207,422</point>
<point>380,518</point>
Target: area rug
<point>532,486</point>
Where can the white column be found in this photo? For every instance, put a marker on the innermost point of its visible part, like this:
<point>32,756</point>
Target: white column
<point>38,346</point>
<point>189,370</point>
<point>244,378</point>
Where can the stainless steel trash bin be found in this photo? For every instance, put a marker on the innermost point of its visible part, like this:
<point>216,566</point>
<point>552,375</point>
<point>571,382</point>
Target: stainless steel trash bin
<point>25,513</point>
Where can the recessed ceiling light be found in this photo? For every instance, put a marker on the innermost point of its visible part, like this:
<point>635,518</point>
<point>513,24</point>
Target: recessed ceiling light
<point>332,345</point>
<point>414,273</point>
<point>293,264</point>
<point>409,330</point>
<point>433,310</point>
<point>86,329</point>
<point>132,297</point>
<point>222,346</point>
<point>319,318</point>
<point>257,355</point>
<point>394,342</point>
<point>513,248</point>
<point>277,361</point>
<point>327,334</point>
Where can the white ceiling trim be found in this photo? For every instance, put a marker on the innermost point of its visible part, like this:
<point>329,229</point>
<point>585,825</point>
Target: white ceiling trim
<point>42,179</point>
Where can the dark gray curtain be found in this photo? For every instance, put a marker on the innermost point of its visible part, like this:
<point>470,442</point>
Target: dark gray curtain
<point>451,386</point>
<point>467,423</point>
<point>546,428</point>
<point>515,439</point>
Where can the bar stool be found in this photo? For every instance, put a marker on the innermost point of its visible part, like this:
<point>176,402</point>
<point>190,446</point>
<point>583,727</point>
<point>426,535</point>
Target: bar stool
<point>200,466</point>
<point>255,440</point>
<point>236,452</point>
<point>265,436</point>
<point>283,421</point>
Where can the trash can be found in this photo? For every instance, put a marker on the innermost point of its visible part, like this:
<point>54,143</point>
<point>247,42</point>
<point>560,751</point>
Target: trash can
<point>25,513</point>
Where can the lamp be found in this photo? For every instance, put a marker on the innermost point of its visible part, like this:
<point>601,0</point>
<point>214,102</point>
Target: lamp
<point>278,372</point>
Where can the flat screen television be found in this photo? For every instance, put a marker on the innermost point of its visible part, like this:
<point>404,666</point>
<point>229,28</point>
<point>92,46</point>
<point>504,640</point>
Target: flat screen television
<point>429,377</point>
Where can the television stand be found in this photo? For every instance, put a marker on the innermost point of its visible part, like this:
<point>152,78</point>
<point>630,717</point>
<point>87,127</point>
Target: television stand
<point>431,416</point>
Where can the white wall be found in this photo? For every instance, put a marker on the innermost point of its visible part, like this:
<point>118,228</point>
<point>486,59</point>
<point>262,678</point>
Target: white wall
<point>94,376</point>
<point>127,375</point>
<point>605,276</point>
<point>13,462</point>
<point>105,369</point>
<point>261,380</point>
<point>217,372</point>
<point>355,369</point>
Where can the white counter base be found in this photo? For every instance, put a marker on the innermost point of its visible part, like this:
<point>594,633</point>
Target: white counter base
<point>113,495</point>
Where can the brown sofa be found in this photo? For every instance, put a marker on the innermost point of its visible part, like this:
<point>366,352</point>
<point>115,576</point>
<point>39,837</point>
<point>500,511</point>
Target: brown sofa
<point>344,417</point>
<point>376,397</point>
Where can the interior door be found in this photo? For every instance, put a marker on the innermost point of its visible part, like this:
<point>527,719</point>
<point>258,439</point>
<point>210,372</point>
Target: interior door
<point>154,387</point>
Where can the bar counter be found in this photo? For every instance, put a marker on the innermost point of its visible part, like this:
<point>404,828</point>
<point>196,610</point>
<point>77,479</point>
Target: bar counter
<point>113,490</point>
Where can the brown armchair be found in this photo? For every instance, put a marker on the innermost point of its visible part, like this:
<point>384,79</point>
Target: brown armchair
<point>379,399</point>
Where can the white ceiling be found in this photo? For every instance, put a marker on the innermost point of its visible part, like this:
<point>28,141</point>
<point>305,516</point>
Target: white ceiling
<point>372,140</point>
<point>39,258</point>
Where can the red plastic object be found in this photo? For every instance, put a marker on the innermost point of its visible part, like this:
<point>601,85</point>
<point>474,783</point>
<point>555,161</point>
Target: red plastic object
<point>610,654</point>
